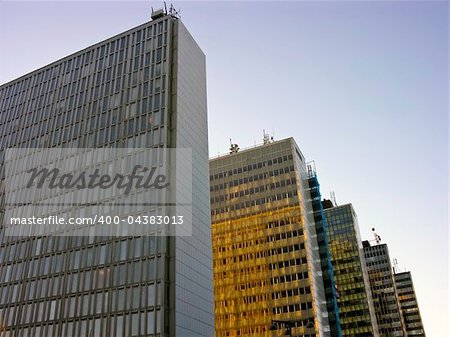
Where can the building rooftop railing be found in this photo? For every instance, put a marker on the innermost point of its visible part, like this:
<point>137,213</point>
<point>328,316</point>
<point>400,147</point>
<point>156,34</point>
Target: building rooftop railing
<point>248,148</point>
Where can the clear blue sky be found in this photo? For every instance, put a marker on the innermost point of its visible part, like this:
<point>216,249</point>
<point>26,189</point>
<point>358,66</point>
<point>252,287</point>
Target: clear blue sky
<point>362,87</point>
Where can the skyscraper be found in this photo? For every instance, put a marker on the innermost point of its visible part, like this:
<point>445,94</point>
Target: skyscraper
<point>143,88</point>
<point>383,289</point>
<point>356,311</point>
<point>408,304</point>
<point>266,261</point>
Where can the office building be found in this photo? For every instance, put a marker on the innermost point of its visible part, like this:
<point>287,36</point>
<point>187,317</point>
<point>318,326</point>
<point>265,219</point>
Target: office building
<point>331,295</point>
<point>266,262</point>
<point>408,304</point>
<point>143,88</point>
<point>383,289</point>
<point>356,311</point>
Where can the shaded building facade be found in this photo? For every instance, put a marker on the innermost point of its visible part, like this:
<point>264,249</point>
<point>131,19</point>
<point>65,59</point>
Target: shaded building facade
<point>408,304</point>
<point>266,260</point>
<point>356,311</point>
<point>384,293</point>
<point>143,88</point>
<point>331,295</point>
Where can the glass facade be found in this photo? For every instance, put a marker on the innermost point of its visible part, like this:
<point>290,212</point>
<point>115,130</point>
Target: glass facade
<point>324,253</point>
<point>383,289</point>
<point>408,304</point>
<point>264,245</point>
<point>136,89</point>
<point>356,312</point>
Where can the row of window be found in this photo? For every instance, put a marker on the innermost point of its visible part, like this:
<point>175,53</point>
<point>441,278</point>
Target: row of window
<point>253,190</point>
<point>256,202</point>
<point>88,304</point>
<point>254,252</point>
<point>289,278</point>
<point>288,263</point>
<point>76,259</point>
<point>283,222</point>
<point>384,263</point>
<point>353,304</point>
<point>249,179</point>
<point>250,167</point>
<point>243,230</point>
<point>285,249</point>
<point>254,328</point>
<point>92,254</point>
<point>257,330</point>
<point>285,235</point>
<point>250,256</point>
<point>123,274</point>
<point>133,324</point>
<point>292,308</point>
<point>291,292</point>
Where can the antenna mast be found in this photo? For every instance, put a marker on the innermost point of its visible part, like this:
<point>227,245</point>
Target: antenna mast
<point>173,12</point>
<point>266,138</point>
<point>376,236</point>
<point>395,265</point>
<point>234,148</point>
<point>333,198</point>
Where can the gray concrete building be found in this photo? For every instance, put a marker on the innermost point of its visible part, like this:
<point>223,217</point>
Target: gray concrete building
<point>143,88</point>
<point>384,293</point>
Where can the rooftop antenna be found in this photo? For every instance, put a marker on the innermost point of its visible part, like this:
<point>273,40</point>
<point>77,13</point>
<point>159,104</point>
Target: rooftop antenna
<point>311,168</point>
<point>395,265</point>
<point>266,138</point>
<point>234,148</point>
<point>333,198</point>
<point>173,12</point>
<point>376,236</point>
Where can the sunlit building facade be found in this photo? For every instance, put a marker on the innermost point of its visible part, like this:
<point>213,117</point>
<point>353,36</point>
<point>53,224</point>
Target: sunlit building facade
<point>266,262</point>
<point>384,293</point>
<point>356,311</point>
<point>143,88</point>
<point>408,304</point>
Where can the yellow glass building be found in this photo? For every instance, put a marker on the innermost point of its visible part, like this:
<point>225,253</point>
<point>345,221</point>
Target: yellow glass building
<point>266,263</point>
